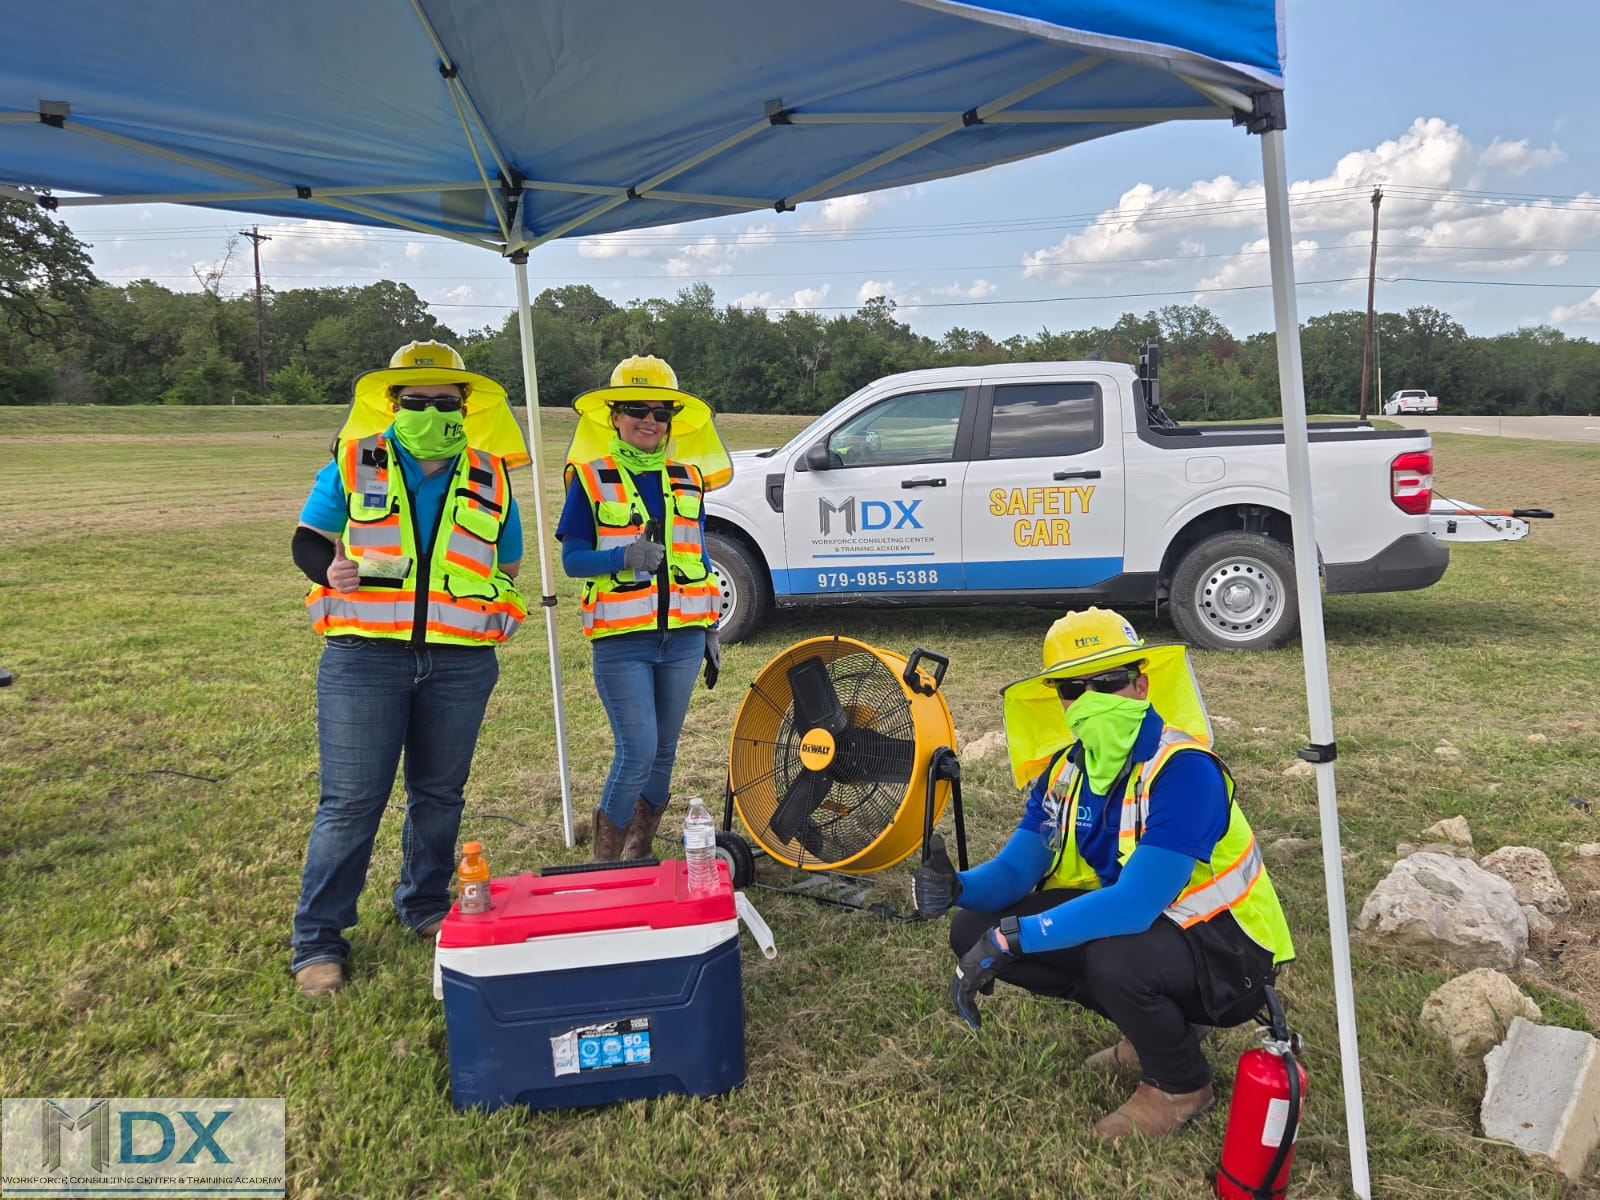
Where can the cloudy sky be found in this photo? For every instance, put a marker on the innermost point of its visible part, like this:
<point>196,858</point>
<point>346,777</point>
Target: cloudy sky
<point>1475,120</point>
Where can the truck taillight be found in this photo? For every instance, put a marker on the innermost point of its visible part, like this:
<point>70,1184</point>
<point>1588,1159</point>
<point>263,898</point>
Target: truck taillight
<point>1411,481</point>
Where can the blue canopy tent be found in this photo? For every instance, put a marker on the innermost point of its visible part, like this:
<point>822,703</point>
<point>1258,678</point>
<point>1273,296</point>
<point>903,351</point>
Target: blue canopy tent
<point>508,123</point>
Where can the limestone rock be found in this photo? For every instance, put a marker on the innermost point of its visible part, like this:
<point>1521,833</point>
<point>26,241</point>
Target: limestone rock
<point>1471,1011</point>
<point>1451,829</point>
<point>1446,751</point>
<point>1530,873</point>
<point>991,743</point>
<point>1540,926</point>
<point>1538,739</point>
<point>1543,1093</point>
<point>1220,722</point>
<point>1450,907</point>
<point>1407,849</point>
<point>1298,769</point>
<point>1589,850</point>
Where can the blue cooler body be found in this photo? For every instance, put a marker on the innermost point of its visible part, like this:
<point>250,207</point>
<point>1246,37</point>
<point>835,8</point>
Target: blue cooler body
<point>584,989</point>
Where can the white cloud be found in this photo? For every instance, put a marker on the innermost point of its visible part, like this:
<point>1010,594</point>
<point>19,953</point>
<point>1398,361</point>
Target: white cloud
<point>802,298</point>
<point>628,244</point>
<point>1426,219</point>
<point>808,298</point>
<point>1518,158</point>
<point>459,295</point>
<point>713,255</point>
<point>1255,270</point>
<point>416,251</point>
<point>842,212</point>
<point>1584,312</point>
<point>978,289</point>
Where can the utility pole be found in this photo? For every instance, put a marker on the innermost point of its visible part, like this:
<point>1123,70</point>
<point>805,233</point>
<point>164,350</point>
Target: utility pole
<point>257,237</point>
<point>1372,280</point>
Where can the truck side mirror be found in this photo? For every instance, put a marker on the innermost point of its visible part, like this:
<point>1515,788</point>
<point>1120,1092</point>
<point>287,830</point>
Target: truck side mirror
<point>817,458</point>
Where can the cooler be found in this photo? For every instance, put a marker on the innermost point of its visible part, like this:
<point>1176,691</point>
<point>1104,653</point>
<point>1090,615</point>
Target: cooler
<point>593,987</point>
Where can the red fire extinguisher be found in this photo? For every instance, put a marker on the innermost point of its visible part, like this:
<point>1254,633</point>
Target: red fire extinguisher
<point>1264,1114</point>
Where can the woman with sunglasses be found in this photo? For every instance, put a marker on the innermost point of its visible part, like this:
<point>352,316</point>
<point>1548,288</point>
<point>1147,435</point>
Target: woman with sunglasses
<point>1133,884</point>
<point>411,540</point>
<point>633,527</point>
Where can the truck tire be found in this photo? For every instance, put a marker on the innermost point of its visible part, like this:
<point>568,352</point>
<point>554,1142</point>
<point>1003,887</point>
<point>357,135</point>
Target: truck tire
<point>1236,591</point>
<point>744,587</point>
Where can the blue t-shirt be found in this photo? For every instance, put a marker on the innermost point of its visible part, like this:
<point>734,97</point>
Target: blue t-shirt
<point>327,508</point>
<point>1188,808</point>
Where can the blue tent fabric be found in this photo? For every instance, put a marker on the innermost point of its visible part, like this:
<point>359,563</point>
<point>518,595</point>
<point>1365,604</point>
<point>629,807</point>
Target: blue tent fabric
<point>340,111</point>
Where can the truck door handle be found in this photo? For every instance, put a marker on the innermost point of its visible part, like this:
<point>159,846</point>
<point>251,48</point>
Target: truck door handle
<point>911,483</point>
<point>1060,475</point>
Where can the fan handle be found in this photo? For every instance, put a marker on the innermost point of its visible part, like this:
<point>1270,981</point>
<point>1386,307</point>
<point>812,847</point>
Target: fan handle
<point>941,663</point>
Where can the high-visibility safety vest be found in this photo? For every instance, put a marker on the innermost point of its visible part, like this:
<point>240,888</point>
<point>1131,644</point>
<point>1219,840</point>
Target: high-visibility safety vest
<point>1233,880</point>
<point>681,595</point>
<point>468,600</point>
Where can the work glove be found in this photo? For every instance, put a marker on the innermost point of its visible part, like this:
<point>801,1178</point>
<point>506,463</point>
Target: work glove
<point>978,967</point>
<point>642,555</point>
<point>713,656</point>
<point>935,885</point>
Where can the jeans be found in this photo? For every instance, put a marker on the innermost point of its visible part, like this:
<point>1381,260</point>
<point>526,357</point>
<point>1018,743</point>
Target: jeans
<point>1144,983</point>
<point>375,700</point>
<point>645,681</point>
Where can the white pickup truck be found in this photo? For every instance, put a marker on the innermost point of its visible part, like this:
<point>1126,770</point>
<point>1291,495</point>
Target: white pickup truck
<point>1062,485</point>
<point>1410,400</point>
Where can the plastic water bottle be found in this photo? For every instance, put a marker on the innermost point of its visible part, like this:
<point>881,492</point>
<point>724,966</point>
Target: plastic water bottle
<point>700,848</point>
<point>473,874</point>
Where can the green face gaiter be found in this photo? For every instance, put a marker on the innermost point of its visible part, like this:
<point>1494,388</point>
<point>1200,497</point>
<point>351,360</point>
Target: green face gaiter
<point>1107,725</point>
<point>430,433</point>
<point>640,462</point>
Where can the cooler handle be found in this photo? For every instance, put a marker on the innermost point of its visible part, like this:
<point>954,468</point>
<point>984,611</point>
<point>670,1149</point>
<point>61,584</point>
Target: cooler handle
<point>753,922</point>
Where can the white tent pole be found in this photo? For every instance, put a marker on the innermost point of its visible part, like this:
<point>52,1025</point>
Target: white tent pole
<point>1314,646</point>
<point>530,392</point>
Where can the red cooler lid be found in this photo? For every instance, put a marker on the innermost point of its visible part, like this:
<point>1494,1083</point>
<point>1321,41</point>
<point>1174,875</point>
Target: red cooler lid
<point>535,906</point>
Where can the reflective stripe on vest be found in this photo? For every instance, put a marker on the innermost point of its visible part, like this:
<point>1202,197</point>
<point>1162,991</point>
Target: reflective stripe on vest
<point>621,604</point>
<point>469,600</point>
<point>1234,880</point>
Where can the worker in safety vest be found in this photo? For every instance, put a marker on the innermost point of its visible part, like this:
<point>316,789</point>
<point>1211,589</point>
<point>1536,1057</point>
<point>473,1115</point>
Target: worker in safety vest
<point>641,460</point>
<point>411,539</point>
<point>1133,884</point>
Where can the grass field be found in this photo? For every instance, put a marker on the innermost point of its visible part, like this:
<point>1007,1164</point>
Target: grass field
<point>158,763</point>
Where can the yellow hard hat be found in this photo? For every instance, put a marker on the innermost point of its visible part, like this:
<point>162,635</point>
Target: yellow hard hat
<point>491,425</point>
<point>644,377</point>
<point>1095,636</point>
<point>644,370</point>
<point>1087,643</point>
<point>427,354</point>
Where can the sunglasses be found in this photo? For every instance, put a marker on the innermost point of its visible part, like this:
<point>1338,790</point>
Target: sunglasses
<point>1106,681</point>
<point>413,403</point>
<point>661,412</point>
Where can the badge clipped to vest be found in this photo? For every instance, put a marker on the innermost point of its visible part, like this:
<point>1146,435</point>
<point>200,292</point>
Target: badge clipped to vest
<point>375,564</point>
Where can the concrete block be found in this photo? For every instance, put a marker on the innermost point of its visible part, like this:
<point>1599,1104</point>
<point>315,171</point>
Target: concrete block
<point>1543,1093</point>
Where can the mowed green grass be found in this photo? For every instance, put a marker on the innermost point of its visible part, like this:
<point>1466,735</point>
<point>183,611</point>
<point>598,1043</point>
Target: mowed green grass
<point>158,764</point>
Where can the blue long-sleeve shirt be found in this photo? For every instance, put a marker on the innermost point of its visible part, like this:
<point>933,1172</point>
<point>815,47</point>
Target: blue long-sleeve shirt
<point>1188,814</point>
<point>576,532</point>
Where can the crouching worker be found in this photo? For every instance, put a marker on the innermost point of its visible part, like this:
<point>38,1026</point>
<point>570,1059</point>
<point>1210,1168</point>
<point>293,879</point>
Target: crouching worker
<point>1133,884</point>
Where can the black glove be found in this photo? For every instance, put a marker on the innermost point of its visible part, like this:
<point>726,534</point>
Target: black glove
<point>713,656</point>
<point>643,556</point>
<point>978,967</point>
<point>935,886</point>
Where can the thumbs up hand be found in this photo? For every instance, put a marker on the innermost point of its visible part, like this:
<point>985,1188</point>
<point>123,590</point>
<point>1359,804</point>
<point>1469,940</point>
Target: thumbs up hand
<point>344,573</point>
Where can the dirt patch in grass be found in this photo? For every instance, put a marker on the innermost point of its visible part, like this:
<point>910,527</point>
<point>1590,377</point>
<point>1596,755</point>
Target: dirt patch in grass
<point>1570,957</point>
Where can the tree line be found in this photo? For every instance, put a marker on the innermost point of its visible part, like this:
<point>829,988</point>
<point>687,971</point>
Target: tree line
<point>67,337</point>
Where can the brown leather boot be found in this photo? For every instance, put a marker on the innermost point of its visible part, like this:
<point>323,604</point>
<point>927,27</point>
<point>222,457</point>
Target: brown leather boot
<point>1154,1113</point>
<point>640,836</point>
<point>606,844</point>
<point>1123,1057</point>
<point>320,979</point>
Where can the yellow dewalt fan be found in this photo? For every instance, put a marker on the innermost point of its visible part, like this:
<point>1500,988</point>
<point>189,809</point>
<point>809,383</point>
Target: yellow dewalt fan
<point>841,760</point>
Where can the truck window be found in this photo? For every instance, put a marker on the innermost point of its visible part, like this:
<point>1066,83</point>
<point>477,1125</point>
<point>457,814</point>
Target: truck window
<point>916,427</point>
<point>1044,420</point>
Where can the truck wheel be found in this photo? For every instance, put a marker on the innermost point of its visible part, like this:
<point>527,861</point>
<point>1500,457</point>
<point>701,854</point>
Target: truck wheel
<point>744,587</point>
<point>1235,591</point>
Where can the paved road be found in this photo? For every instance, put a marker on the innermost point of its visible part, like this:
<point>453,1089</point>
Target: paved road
<point>1548,429</point>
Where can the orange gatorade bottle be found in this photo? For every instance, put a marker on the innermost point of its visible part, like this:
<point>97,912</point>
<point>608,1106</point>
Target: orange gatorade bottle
<point>474,876</point>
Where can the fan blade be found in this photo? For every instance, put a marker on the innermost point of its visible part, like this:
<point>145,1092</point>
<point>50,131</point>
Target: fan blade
<point>798,803</point>
<point>867,756</point>
<point>816,704</point>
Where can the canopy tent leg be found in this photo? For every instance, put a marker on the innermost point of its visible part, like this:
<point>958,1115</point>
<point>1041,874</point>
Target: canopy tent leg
<point>1314,645</point>
<point>547,592</point>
